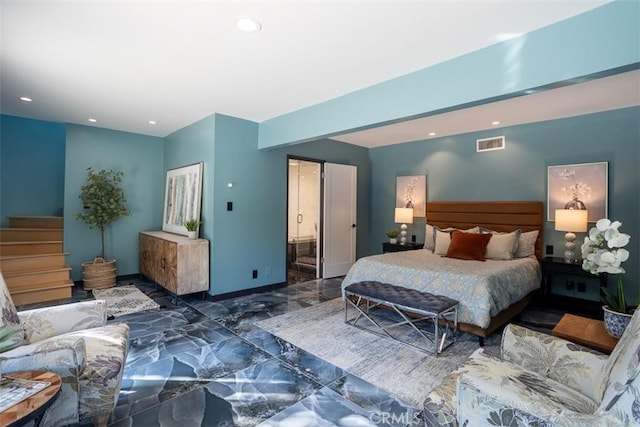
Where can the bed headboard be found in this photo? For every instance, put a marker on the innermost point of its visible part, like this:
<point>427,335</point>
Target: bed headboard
<point>498,216</point>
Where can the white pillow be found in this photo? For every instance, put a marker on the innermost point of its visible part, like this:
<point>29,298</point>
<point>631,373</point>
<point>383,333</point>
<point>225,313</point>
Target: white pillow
<point>502,246</point>
<point>442,241</point>
<point>527,244</point>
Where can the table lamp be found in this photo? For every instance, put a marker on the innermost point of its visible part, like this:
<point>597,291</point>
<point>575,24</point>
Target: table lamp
<point>403,216</point>
<point>570,220</point>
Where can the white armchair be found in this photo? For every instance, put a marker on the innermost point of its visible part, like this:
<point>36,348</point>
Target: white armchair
<point>541,380</point>
<point>73,341</point>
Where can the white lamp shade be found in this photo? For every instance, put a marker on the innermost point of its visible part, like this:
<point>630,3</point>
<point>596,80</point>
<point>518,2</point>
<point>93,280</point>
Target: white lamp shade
<point>573,220</point>
<point>404,216</point>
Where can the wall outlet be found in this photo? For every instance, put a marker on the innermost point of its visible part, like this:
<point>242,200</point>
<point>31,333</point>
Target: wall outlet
<point>549,250</point>
<point>254,274</point>
<point>229,206</point>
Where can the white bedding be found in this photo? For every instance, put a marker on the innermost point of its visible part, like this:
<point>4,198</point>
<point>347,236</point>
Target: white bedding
<point>483,288</point>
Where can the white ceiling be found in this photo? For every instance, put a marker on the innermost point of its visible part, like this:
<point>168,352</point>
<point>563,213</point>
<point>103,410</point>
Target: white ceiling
<point>127,62</point>
<point>608,93</point>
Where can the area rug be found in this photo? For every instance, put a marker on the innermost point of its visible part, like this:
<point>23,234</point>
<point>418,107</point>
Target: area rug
<point>399,369</point>
<point>123,300</point>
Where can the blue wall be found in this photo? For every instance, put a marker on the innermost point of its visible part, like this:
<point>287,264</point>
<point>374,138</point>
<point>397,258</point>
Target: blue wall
<point>595,42</point>
<point>140,158</point>
<point>455,171</point>
<point>31,167</point>
<point>253,235</point>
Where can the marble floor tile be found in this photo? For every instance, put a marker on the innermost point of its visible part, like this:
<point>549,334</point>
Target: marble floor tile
<point>324,408</point>
<point>197,362</point>
<point>261,391</point>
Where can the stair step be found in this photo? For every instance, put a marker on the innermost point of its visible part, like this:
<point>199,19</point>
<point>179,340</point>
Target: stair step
<point>31,279</point>
<point>30,234</point>
<point>48,293</point>
<point>25,262</point>
<point>36,222</point>
<point>30,248</point>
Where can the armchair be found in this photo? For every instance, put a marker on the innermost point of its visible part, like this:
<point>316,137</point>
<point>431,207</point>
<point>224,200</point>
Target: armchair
<point>541,380</point>
<point>73,341</point>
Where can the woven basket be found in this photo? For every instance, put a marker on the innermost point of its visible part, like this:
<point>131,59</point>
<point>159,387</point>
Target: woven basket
<point>98,274</point>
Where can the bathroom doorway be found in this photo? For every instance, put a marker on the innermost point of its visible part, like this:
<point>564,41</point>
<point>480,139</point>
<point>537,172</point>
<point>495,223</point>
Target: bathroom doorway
<point>303,220</point>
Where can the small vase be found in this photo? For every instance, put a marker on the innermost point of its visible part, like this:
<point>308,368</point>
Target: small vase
<point>393,240</point>
<point>576,204</point>
<point>192,235</point>
<point>614,322</point>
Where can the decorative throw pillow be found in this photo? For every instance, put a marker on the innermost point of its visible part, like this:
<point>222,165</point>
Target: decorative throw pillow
<point>470,246</point>
<point>10,326</point>
<point>527,244</point>
<point>440,248</point>
<point>429,237</point>
<point>503,246</point>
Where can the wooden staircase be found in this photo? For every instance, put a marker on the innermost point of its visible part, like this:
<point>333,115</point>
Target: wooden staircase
<point>32,259</point>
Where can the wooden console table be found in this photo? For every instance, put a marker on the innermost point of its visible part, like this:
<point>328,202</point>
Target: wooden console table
<point>34,406</point>
<point>584,331</point>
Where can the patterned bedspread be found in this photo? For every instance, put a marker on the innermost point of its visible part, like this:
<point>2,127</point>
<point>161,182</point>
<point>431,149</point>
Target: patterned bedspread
<point>483,288</point>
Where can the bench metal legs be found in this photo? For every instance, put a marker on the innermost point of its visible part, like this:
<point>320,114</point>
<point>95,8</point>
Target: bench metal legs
<point>437,341</point>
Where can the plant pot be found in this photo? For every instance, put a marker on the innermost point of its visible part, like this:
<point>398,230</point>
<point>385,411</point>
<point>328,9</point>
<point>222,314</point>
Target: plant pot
<point>614,322</point>
<point>192,235</point>
<point>393,240</point>
<point>98,274</point>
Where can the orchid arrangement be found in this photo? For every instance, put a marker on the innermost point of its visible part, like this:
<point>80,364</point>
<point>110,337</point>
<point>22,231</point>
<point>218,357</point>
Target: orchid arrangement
<point>603,252</point>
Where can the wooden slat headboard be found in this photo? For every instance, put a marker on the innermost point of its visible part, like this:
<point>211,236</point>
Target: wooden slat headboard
<point>498,216</point>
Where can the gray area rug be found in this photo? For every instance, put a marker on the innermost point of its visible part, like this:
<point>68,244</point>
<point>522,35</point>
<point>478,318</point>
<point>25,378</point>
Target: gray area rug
<point>123,300</point>
<point>399,369</point>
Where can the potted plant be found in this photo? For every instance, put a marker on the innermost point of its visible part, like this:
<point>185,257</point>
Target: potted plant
<point>104,202</point>
<point>392,235</point>
<point>192,228</point>
<point>603,252</point>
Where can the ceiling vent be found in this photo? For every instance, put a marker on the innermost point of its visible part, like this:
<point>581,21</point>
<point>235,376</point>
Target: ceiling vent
<point>490,144</point>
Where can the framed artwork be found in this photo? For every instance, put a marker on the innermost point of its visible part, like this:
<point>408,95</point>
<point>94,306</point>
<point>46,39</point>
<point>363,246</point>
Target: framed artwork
<point>411,192</point>
<point>579,186</point>
<point>182,197</point>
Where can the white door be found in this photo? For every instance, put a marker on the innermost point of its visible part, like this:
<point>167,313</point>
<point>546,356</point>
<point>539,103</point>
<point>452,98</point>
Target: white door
<point>339,213</point>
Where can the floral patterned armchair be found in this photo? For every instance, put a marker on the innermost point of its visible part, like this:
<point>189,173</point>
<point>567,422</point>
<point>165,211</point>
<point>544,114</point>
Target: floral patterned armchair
<point>541,380</point>
<point>73,341</point>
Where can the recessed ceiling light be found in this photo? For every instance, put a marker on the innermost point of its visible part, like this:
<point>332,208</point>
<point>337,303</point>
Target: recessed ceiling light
<point>152,122</point>
<point>93,120</point>
<point>25,99</point>
<point>432,134</point>
<point>495,123</point>
<point>248,25</point>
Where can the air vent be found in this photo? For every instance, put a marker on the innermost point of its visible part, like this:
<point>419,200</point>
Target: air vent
<point>490,144</point>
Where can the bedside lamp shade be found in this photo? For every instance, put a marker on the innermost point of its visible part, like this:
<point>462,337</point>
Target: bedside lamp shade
<point>570,220</point>
<point>403,216</point>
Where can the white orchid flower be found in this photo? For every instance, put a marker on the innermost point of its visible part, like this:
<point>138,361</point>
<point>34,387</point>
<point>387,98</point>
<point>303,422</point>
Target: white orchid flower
<point>610,261</point>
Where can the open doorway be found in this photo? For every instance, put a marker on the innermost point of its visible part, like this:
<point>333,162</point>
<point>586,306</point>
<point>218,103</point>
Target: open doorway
<point>303,220</point>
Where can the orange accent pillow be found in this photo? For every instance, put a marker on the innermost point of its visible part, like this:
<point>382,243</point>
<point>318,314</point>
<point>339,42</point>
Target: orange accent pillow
<point>468,246</point>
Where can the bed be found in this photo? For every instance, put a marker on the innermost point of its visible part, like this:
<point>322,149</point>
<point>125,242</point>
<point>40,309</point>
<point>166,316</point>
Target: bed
<point>490,292</point>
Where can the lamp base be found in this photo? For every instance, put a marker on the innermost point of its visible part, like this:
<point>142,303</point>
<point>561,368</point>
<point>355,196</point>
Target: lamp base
<point>570,248</point>
<point>403,234</point>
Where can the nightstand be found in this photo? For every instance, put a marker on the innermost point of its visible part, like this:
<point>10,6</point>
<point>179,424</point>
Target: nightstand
<point>398,247</point>
<point>570,288</point>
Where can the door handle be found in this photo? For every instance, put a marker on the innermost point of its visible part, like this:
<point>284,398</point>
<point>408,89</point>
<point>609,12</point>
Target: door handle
<point>300,217</point>
<point>353,226</point>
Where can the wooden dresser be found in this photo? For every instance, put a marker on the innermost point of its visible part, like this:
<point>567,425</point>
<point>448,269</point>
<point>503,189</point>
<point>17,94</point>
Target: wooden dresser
<point>178,264</point>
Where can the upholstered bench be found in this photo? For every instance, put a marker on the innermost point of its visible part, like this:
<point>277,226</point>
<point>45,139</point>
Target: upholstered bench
<point>412,305</point>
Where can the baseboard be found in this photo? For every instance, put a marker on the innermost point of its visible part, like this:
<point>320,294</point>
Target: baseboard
<point>245,292</point>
